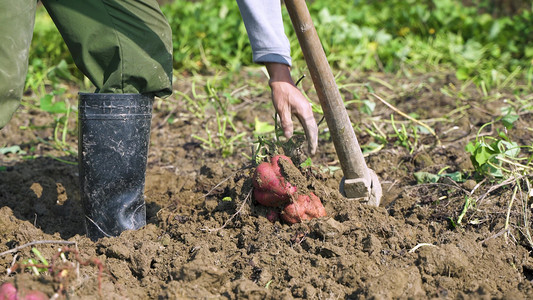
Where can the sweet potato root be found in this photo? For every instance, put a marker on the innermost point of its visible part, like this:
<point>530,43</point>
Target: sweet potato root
<point>272,189</point>
<point>9,292</point>
<point>305,207</point>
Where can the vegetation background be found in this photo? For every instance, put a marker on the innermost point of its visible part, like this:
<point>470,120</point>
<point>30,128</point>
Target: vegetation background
<point>483,40</point>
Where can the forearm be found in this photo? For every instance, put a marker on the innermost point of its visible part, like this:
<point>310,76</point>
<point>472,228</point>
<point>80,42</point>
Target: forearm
<point>279,72</point>
<point>264,25</point>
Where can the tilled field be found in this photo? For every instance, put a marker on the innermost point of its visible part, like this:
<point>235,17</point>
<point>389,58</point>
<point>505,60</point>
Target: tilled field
<point>207,237</point>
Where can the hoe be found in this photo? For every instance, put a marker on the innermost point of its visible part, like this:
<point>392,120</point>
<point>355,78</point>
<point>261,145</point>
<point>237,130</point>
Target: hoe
<point>359,182</point>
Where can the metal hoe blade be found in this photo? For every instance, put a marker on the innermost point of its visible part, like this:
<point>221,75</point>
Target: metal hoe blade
<point>360,182</point>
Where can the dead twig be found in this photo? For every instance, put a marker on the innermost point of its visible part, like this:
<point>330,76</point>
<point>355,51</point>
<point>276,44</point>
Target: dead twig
<point>503,231</point>
<point>421,245</point>
<point>16,249</point>
<point>408,117</point>
<point>497,186</point>
<point>231,218</point>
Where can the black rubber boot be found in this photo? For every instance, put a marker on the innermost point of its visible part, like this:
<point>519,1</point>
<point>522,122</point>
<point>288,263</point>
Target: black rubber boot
<point>114,133</point>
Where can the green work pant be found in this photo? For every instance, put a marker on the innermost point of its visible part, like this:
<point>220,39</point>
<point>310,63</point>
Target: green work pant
<point>122,46</point>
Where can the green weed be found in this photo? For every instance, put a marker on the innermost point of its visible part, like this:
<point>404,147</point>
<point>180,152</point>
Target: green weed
<point>12,149</point>
<point>226,136</point>
<point>408,140</point>
<point>497,157</point>
<point>38,265</point>
<point>426,177</point>
<point>59,106</point>
<point>395,35</point>
<point>500,162</point>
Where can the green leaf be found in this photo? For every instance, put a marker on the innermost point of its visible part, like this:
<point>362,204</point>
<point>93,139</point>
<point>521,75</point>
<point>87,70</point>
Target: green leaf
<point>13,149</point>
<point>369,88</point>
<point>455,176</point>
<point>470,148</point>
<point>368,107</point>
<point>462,74</point>
<point>511,149</point>
<point>39,255</point>
<point>508,120</point>
<point>370,147</point>
<point>482,154</point>
<point>307,163</point>
<point>261,128</point>
<point>54,108</point>
<point>425,177</point>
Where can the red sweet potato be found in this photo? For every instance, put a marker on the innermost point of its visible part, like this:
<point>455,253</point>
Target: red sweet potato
<point>272,215</point>
<point>270,188</point>
<point>273,190</point>
<point>305,207</point>
<point>8,291</point>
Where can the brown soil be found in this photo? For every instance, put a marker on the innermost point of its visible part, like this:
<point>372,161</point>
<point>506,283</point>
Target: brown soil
<point>206,238</point>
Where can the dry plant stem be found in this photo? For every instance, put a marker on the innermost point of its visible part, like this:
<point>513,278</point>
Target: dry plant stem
<point>516,164</point>
<point>16,249</point>
<point>13,262</point>
<point>503,231</point>
<point>91,261</point>
<point>515,190</point>
<point>526,212</point>
<point>497,186</point>
<point>57,271</point>
<point>421,245</point>
<point>231,218</point>
<point>477,186</point>
<point>408,117</point>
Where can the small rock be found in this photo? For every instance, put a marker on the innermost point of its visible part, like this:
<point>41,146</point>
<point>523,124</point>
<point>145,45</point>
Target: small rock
<point>470,184</point>
<point>423,160</point>
<point>371,244</point>
<point>327,229</point>
<point>330,251</point>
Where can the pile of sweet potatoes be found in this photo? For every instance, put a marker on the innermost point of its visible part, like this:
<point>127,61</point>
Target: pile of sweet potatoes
<point>272,189</point>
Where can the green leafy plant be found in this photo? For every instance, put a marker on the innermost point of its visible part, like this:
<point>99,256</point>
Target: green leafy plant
<point>496,156</point>
<point>226,133</point>
<point>405,139</point>
<point>498,159</point>
<point>37,265</point>
<point>62,111</point>
<point>426,177</point>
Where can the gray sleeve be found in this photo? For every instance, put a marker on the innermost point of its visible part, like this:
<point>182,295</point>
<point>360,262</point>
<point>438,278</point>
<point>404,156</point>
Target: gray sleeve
<point>264,25</point>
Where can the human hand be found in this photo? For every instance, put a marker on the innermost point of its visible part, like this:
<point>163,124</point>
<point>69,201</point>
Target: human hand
<point>288,100</point>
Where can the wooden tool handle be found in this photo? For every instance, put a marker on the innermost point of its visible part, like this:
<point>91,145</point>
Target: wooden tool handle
<point>348,151</point>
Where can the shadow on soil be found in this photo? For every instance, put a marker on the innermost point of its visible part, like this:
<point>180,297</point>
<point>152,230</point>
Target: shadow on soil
<point>45,192</point>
